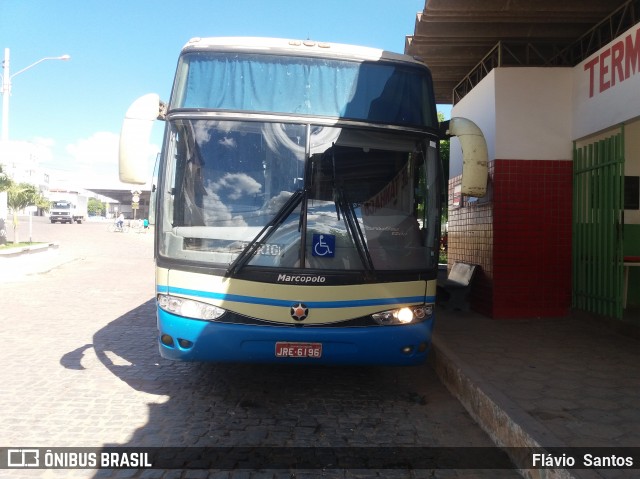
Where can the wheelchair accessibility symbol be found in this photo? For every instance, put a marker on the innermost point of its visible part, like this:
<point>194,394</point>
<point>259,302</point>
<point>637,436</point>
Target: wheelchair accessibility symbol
<point>324,245</point>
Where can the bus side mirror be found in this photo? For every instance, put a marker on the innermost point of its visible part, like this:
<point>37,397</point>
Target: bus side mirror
<point>475,158</point>
<point>135,136</point>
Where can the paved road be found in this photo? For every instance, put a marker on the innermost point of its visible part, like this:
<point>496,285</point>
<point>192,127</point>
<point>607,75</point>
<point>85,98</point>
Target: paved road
<point>80,368</point>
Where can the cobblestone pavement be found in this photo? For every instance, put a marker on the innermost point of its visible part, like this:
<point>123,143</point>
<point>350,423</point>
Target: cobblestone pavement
<point>80,367</point>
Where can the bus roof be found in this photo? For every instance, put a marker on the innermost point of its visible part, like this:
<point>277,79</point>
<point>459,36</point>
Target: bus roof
<point>296,47</point>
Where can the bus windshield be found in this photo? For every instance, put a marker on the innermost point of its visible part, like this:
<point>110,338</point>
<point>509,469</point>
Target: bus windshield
<point>281,195</point>
<point>386,93</point>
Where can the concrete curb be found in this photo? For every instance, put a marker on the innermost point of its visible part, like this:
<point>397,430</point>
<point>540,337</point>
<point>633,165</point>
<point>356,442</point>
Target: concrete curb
<point>18,263</point>
<point>506,423</point>
<point>26,250</point>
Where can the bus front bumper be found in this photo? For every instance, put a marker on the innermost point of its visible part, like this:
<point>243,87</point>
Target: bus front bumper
<point>186,339</point>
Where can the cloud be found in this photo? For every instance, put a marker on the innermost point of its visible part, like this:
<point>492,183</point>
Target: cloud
<point>44,148</point>
<point>85,162</point>
<point>99,148</point>
<point>26,153</point>
<point>96,158</point>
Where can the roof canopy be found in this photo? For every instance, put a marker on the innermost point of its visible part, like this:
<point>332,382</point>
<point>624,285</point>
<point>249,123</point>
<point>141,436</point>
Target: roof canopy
<point>460,38</point>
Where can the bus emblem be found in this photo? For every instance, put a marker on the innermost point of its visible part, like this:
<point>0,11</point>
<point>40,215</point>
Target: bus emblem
<point>299,311</point>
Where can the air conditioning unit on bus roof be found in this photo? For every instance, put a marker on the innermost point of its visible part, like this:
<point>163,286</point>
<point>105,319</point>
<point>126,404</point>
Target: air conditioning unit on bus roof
<point>322,48</point>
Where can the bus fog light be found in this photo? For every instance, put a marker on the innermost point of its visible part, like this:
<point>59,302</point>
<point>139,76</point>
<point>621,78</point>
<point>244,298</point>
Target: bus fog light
<point>185,343</point>
<point>166,340</point>
<point>407,350</point>
<point>422,347</point>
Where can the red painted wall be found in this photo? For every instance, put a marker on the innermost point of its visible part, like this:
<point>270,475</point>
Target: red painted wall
<point>521,238</point>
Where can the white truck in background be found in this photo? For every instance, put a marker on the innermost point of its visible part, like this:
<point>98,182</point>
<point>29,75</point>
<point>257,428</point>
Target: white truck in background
<point>67,207</point>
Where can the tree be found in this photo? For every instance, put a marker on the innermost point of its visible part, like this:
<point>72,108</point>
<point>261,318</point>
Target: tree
<point>21,195</point>
<point>96,207</point>
<point>5,181</point>
<point>444,151</point>
<point>444,217</point>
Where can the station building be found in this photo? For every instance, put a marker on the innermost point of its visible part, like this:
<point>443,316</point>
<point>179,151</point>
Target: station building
<point>555,87</point>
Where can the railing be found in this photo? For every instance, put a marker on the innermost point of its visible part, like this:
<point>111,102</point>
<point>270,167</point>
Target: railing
<point>550,53</point>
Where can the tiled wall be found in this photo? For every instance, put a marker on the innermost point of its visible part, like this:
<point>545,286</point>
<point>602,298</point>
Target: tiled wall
<point>470,239</point>
<point>521,237</point>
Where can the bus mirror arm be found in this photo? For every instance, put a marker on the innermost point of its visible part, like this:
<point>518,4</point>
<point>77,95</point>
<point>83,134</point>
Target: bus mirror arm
<point>475,158</point>
<point>444,130</point>
<point>162,111</point>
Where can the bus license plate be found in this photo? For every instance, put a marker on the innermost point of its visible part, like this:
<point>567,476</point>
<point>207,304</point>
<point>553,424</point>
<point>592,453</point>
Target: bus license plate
<point>298,350</point>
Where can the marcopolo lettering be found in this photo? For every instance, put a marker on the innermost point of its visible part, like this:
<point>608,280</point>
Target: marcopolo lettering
<point>300,278</point>
<point>614,64</point>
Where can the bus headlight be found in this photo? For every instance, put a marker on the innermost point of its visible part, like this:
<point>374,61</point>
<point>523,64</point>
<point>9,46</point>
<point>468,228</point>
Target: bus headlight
<point>189,308</point>
<point>411,314</point>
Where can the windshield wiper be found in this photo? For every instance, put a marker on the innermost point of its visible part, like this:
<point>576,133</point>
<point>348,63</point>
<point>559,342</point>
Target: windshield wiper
<point>266,232</point>
<point>351,221</point>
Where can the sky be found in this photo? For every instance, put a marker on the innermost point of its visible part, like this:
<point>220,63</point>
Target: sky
<point>122,49</point>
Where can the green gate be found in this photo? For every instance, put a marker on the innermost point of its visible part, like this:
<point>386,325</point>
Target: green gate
<point>598,177</point>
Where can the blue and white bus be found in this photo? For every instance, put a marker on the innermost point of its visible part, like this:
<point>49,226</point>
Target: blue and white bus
<point>297,202</point>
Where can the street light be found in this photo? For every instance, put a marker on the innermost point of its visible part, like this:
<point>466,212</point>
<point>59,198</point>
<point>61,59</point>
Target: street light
<point>6,87</point>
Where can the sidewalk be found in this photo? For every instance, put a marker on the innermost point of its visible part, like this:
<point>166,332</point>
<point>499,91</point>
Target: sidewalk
<point>561,382</point>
